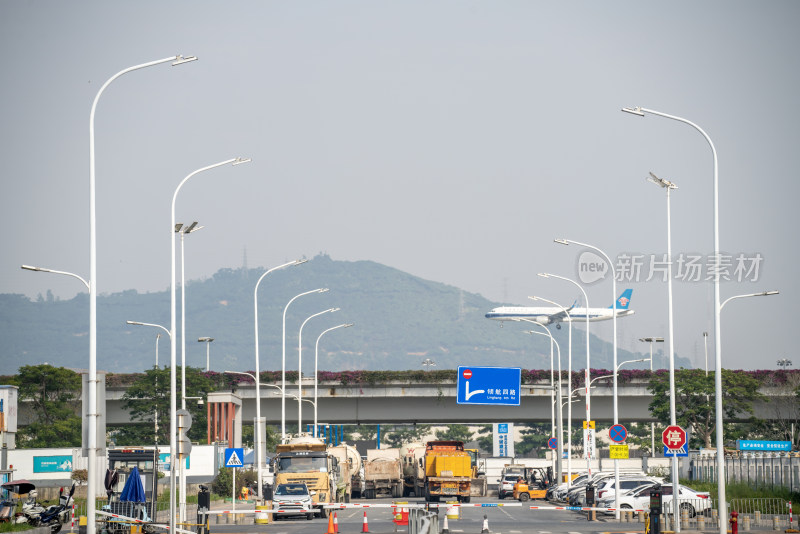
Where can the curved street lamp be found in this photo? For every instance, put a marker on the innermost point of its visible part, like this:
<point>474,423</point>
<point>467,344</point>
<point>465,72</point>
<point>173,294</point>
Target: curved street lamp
<point>257,378</point>
<point>587,372</point>
<point>92,411</point>
<point>569,384</point>
<point>316,372</point>
<point>283,359</point>
<point>300,369</point>
<point>173,349</point>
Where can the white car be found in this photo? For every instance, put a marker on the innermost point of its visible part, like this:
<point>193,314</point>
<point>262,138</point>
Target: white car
<point>293,499</point>
<point>607,488</point>
<point>506,486</point>
<point>692,501</point>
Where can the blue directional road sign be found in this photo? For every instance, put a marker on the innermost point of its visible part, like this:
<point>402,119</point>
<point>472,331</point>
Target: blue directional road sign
<point>489,385</point>
<point>552,443</point>
<point>676,452</point>
<point>617,433</point>
<point>234,457</point>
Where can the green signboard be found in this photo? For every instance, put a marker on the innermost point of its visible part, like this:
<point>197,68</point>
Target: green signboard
<point>52,464</point>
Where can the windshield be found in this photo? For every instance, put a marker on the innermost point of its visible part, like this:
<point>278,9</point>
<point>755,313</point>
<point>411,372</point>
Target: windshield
<point>291,489</point>
<point>301,464</point>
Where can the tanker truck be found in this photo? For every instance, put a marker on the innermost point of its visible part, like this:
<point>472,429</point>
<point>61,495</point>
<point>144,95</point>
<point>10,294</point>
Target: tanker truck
<point>383,473</point>
<point>306,459</point>
<point>349,468</point>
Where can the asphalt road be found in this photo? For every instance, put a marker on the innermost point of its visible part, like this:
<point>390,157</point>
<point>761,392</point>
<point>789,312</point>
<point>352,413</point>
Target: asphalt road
<point>509,518</point>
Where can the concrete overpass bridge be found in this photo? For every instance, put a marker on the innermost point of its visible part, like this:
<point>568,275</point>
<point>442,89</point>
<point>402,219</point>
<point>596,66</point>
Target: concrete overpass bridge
<point>426,403</point>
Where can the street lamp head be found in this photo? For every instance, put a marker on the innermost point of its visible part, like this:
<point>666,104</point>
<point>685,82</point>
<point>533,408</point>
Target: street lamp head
<point>661,182</point>
<point>561,241</point>
<point>298,262</point>
<point>348,325</point>
<point>543,275</point>
<point>178,227</point>
<point>773,292</point>
<point>180,60</point>
<point>205,339</point>
<point>240,160</point>
<point>135,322</point>
<point>30,268</point>
<point>323,290</point>
<point>652,339</point>
<point>634,111</point>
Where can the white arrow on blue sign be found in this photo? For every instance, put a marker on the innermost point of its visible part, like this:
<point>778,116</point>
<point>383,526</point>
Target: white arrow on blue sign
<point>489,385</point>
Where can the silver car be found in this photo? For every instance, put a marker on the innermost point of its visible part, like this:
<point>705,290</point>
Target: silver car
<point>292,499</point>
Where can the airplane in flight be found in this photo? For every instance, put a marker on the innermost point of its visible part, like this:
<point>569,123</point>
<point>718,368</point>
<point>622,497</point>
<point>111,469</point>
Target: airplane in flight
<point>550,315</point>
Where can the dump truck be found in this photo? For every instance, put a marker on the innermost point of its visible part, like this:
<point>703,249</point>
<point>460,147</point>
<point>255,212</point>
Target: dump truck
<point>448,471</point>
<point>307,460</point>
<point>413,458</point>
<point>383,473</point>
<point>349,468</point>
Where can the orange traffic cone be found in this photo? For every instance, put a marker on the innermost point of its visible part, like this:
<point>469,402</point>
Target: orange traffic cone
<point>365,526</point>
<point>335,523</point>
<point>331,525</point>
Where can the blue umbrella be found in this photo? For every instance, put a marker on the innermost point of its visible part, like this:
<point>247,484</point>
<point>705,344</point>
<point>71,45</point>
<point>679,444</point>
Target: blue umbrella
<point>134,489</point>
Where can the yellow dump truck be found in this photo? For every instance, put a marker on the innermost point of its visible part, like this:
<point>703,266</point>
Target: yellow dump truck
<point>448,471</point>
<point>307,460</point>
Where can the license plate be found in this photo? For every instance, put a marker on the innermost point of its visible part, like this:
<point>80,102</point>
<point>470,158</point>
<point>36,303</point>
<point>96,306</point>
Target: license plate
<point>450,490</point>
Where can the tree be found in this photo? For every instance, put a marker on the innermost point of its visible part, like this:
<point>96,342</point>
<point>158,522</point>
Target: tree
<point>694,401</point>
<point>150,393</point>
<point>455,433</point>
<point>534,437</point>
<point>53,394</point>
<point>485,438</point>
<point>406,434</point>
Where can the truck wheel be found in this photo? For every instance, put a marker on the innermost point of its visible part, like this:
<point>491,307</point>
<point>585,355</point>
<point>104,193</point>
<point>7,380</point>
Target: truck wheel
<point>323,513</point>
<point>310,516</point>
<point>396,491</point>
<point>524,497</point>
<point>347,497</point>
<point>465,499</point>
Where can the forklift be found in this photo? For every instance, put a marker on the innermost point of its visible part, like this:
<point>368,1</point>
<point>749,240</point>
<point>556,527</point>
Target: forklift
<point>534,484</point>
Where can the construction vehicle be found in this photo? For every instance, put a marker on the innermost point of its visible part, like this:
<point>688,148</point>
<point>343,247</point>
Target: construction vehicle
<point>479,486</point>
<point>533,485</point>
<point>448,471</point>
<point>412,455</point>
<point>349,468</point>
<point>383,473</point>
<point>307,460</point>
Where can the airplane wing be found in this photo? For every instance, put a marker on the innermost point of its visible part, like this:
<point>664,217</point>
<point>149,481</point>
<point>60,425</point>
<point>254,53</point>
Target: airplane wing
<point>559,316</point>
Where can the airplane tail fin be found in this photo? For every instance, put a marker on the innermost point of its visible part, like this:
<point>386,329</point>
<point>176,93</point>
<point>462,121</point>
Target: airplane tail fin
<point>624,300</point>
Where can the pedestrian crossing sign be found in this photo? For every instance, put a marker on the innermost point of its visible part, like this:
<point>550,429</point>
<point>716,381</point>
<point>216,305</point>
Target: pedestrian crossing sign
<point>234,456</point>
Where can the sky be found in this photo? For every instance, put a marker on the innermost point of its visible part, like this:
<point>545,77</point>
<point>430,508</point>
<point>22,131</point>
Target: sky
<point>453,140</point>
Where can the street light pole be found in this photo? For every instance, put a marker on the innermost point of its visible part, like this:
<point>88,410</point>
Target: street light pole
<point>569,385</point>
<point>207,341</point>
<point>559,424</point>
<point>316,372</point>
<point>257,378</point>
<point>183,230</point>
<point>173,349</point>
<point>283,360</point>
<point>614,328</point>
<point>587,372</point>
<point>652,340</point>
<point>300,368</point>
<point>723,512</point>
<point>92,411</point>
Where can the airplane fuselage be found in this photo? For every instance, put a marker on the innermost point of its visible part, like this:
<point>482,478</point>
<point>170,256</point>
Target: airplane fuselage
<point>545,315</point>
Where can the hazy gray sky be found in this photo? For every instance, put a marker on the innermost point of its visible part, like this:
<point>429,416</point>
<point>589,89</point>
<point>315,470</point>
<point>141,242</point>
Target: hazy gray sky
<point>450,139</point>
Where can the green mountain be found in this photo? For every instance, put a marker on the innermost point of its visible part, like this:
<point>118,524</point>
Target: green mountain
<point>399,320</point>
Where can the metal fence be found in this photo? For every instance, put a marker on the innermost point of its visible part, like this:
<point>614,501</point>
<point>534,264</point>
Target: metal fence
<point>767,469</point>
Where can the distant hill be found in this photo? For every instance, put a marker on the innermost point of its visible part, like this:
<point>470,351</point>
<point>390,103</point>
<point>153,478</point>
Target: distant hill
<point>399,320</point>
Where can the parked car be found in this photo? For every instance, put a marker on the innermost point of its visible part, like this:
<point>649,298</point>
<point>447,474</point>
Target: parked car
<point>693,501</point>
<point>506,487</point>
<point>292,499</point>
<point>607,488</point>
